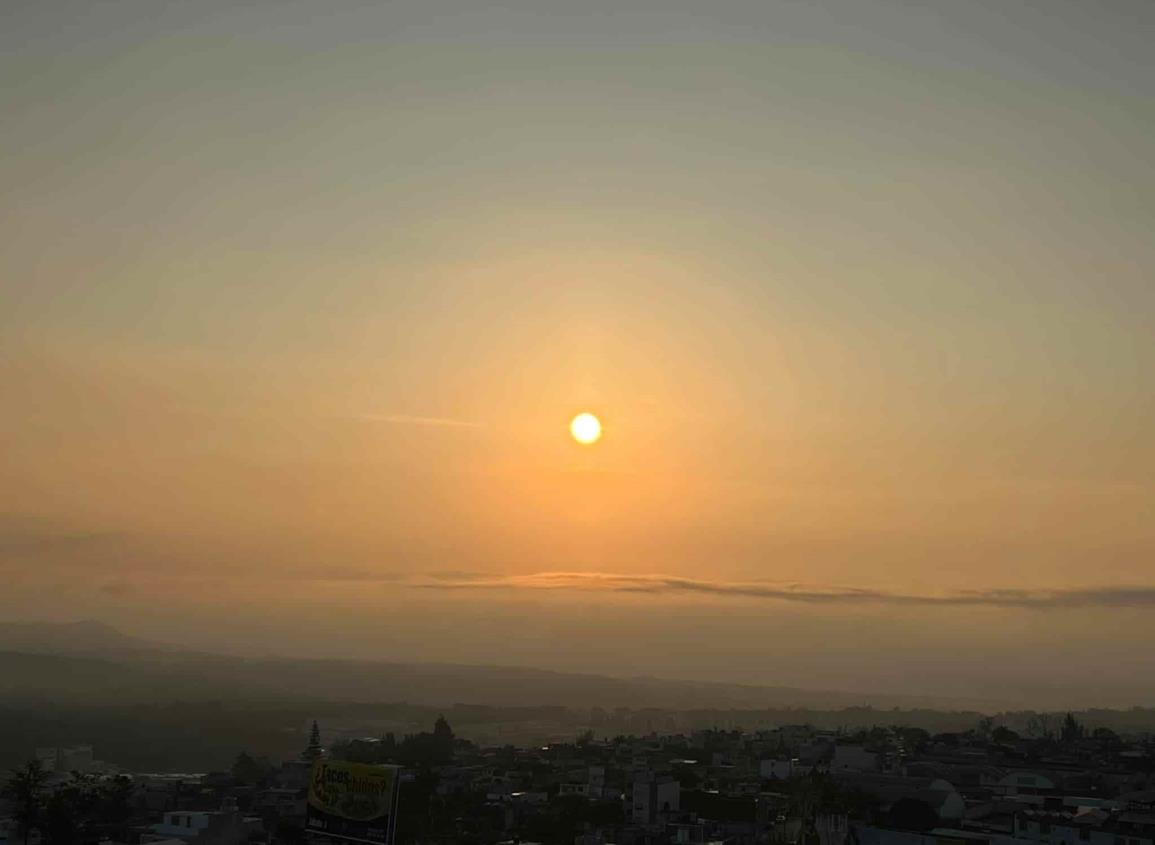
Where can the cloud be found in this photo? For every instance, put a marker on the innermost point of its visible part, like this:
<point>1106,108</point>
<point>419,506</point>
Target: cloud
<point>408,419</point>
<point>1101,597</point>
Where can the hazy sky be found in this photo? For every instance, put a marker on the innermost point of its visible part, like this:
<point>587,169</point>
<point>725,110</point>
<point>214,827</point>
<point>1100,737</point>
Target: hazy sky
<point>299,297</point>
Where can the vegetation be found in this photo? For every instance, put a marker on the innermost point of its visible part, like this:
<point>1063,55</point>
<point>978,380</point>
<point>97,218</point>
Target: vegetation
<point>419,750</point>
<point>205,736</point>
<point>25,788</point>
<point>250,770</point>
<point>82,810</point>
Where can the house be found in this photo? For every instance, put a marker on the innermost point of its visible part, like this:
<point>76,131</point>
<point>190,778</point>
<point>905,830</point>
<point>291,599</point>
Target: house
<point>226,826</point>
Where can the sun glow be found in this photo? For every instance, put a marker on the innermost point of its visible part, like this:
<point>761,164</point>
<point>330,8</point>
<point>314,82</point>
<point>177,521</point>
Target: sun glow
<point>586,428</point>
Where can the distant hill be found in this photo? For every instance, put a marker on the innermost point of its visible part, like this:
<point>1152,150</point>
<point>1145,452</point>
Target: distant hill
<point>93,663</point>
<point>155,708</point>
<point>85,637</point>
<point>133,677</point>
<point>151,707</point>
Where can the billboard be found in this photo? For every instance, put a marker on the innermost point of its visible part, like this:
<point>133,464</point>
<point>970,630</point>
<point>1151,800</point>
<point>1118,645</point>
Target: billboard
<point>354,801</point>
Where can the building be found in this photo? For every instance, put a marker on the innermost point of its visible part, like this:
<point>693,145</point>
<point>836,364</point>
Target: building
<point>76,758</point>
<point>651,799</point>
<point>776,769</point>
<point>226,826</point>
<point>1026,783</point>
<point>853,758</point>
<point>1090,827</point>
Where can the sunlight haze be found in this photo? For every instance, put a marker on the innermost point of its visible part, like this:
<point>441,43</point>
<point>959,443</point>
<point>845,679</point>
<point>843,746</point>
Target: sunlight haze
<point>299,302</point>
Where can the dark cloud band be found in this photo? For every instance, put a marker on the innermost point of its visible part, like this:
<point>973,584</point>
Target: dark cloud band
<point>1126,596</point>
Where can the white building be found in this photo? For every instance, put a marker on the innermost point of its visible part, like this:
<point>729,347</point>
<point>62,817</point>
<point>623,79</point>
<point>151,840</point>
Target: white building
<point>208,827</point>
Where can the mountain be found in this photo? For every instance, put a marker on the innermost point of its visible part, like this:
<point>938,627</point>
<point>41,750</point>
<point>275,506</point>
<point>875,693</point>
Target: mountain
<point>154,708</point>
<point>93,663</point>
<point>84,637</point>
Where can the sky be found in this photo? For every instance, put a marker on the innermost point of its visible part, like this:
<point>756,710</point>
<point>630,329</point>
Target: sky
<point>298,300</point>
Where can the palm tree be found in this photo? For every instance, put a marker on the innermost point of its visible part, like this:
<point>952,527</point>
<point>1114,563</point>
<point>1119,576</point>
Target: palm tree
<point>25,789</point>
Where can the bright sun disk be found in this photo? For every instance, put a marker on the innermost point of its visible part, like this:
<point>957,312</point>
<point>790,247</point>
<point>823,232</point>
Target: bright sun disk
<point>586,428</point>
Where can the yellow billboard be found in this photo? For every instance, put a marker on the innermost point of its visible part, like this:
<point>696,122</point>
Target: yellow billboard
<point>353,801</point>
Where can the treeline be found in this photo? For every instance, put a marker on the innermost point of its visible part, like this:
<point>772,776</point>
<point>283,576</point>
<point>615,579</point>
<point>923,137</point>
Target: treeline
<point>158,738</point>
<point>83,810</point>
<point>205,736</point>
<point>419,750</point>
<point>1135,721</point>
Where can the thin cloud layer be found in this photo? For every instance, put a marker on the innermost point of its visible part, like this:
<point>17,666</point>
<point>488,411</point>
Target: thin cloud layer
<point>408,419</point>
<point>1114,596</point>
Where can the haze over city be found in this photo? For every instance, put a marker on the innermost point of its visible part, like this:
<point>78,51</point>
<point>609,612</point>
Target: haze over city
<point>299,304</point>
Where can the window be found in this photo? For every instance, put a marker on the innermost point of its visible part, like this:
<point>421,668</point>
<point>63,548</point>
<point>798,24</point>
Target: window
<point>1044,827</point>
<point>1085,833</point>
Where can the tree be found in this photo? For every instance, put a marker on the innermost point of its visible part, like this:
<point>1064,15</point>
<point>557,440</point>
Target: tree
<point>442,741</point>
<point>314,749</point>
<point>1039,726</point>
<point>1004,735</point>
<point>249,770</point>
<point>1072,731</point>
<point>113,808</point>
<point>25,789</point>
<point>1105,736</point>
<point>948,739</point>
<point>82,809</point>
<point>69,811</point>
<point>912,739</point>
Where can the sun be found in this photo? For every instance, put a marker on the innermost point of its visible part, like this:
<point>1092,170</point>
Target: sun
<point>586,428</point>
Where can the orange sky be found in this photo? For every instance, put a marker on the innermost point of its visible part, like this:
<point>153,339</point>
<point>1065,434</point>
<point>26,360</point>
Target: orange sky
<point>297,311</point>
